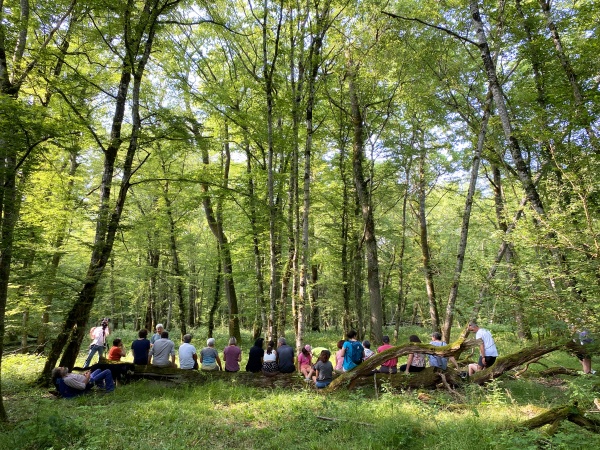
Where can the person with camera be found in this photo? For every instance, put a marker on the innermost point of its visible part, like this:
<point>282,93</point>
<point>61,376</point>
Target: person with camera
<point>98,336</point>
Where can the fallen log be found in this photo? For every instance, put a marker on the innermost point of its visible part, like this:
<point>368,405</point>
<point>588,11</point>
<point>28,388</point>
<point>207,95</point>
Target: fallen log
<point>509,362</point>
<point>554,416</point>
<point>366,368</point>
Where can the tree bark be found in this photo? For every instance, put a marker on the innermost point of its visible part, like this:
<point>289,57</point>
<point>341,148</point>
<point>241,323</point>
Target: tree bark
<point>365,201</point>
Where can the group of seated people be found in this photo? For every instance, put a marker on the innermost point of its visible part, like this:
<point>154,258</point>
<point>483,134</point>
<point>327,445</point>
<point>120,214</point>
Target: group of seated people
<point>160,351</point>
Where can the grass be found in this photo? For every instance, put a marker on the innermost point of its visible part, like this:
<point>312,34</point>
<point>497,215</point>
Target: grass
<point>219,415</point>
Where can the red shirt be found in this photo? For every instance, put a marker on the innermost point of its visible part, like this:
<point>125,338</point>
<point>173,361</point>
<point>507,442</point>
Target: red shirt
<point>114,354</point>
<point>390,362</point>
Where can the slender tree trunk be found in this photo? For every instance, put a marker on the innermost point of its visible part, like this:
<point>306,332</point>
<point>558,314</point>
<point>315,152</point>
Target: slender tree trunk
<point>365,200</point>
<point>402,285</point>
<point>464,229</point>
<point>138,49</point>
<point>424,241</point>
<point>216,299</point>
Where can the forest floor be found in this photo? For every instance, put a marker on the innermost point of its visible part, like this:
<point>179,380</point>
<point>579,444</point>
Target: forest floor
<point>149,414</point>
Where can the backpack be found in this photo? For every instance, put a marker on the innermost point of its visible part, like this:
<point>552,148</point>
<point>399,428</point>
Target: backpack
<point>357,352</point>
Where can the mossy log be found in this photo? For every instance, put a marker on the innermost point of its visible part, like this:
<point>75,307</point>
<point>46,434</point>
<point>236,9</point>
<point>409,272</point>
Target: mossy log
<point>429,379</point>
<point>180,376</point>
<point>509,362</point>
<point>552,417</point>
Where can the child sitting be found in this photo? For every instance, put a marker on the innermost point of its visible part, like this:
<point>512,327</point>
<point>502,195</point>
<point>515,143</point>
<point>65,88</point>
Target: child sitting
<point>339,357</point>
<point>304,361</point>
<point>368,351</point>
<point>323,370</point>
<point>116,351</point>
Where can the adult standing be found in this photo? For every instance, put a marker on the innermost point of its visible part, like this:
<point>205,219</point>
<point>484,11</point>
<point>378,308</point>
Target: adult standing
<point>487,349</point>
<point>188,358</point>
<point>232,355</point>
<point>163,352</point>
<point>352,351</point>
<point>391,365</point>
<point>156,336</point>
<point>285,356</point>
<point>255,356</point>
<point>98,336</point>
<point>584,337</point>
<point>140,348</point>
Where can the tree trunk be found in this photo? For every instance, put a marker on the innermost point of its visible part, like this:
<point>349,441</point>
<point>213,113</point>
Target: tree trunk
<point>138,50</point>
<point>365,200</point>
<point>464,229</point>
<point>424,241</point>
<point>216,299</point>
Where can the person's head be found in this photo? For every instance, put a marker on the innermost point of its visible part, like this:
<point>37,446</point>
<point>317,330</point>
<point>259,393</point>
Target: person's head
<point>281,341</point>
<point>59,372</point>
<point>117,342</point>
<point>366,344</point>
<point>436,336</point>
<point>385,339</point>
<point>414,338</point>
<point>160,328</point>
<point>232,340</point>
<point>259,342</point>
<point>164,335</point>
<point>210,342</point>
<point>143,333</point>
<point>306,350</point>
<point>270,347</point>
<point>187,338</point>
<point>473,326</point>
<point>325,355</point>
<point>340,344</point>
<point>351,334</point>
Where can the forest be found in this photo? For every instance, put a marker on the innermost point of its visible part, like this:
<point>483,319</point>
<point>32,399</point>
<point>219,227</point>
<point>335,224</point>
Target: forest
<point>285,168</point>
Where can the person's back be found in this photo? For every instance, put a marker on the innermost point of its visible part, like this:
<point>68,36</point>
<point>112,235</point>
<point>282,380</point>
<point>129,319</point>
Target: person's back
<point>187,354</point>
<point>285,354</point>
<point>162,350</point>
<point>140,348</point>
<point>232,355</point>
<point>435,360</point>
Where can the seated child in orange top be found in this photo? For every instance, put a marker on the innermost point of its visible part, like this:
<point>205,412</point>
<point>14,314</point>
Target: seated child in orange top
<point>116,351</point>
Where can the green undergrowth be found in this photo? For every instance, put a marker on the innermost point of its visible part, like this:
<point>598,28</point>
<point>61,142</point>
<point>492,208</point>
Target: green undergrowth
<point>219,415</point>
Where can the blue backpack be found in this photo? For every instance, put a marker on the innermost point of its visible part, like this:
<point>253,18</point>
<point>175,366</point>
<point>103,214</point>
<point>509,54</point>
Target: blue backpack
<point>357,352</point>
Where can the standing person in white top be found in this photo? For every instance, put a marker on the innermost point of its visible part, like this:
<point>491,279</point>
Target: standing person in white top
<point>188,358</point>
<point>98,336</point>
<point>487,349</point>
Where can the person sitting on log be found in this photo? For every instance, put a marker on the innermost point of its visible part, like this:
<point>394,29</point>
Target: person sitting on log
<point>188,358</point>
<point>487,349</point>
<point>339,357</point>
<point>117,351</point>
<point>390,366</point>
<point>232,355</point>
<point>209,357</point>
<point>255,356</point>
<point>140,348</point>
<point>440,361</point>
<point>162,350</point>
<point>270,367</point>
<point>74,384</point>
<point>367,349</point>
<point>305,361</point>
<point>416,361</point>
<point>352,351</point>
<point>285,356</point>
<point>323,370</point>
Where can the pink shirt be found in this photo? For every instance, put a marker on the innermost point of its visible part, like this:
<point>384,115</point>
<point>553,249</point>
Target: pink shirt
<point>390,362</point>
<point>304,360</point>
<point>339,360</point>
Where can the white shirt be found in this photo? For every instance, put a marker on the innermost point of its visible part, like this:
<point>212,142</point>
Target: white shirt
<point>488,342</point>
<point>186,356</point>
<point>271,357</point>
